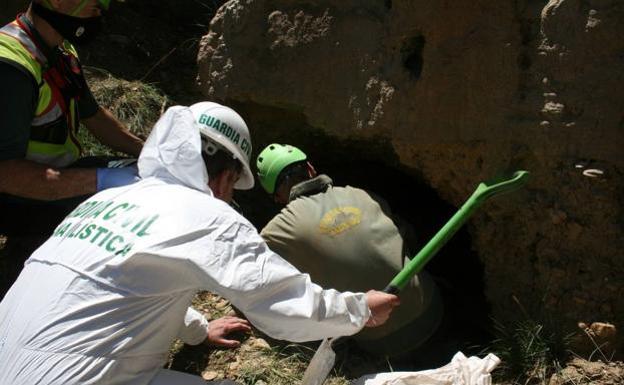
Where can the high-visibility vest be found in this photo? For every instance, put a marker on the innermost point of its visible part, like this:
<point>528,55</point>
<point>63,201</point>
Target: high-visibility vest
<point>54,128</point>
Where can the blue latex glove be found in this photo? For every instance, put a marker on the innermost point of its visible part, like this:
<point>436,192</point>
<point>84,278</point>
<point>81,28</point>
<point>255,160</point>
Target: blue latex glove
<point>115,177</point>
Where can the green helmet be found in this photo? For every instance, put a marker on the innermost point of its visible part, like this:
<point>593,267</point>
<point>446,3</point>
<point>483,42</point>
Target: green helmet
<point>272,160</point>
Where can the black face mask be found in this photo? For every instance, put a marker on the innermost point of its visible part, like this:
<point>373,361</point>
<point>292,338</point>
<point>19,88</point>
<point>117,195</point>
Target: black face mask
<point>77,30</point>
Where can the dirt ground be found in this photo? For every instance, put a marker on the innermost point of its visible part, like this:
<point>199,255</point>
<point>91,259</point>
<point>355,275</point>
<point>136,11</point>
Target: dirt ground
<point>580,371</point>
<point>261,360</point>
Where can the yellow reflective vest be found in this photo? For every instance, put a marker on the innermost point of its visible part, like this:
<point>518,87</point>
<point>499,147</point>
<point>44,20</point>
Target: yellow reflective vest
<point>53,133</point>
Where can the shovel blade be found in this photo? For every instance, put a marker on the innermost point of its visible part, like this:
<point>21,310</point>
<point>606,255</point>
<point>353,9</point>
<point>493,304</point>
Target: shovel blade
<point>321,364</point>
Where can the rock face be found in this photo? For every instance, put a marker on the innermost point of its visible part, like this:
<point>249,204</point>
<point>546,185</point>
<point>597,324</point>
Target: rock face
<point>459,92</point>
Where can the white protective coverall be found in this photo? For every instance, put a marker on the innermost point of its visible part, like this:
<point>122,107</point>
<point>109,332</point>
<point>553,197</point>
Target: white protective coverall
<point>103,298</point>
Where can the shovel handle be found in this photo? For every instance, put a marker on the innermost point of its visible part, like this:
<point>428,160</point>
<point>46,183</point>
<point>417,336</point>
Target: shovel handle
<point>483,192</point>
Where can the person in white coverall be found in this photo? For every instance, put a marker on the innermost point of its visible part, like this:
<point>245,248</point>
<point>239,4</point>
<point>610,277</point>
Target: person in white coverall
<point>103,298</point>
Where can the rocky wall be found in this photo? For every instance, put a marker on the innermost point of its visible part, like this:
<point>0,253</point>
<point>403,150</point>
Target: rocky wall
<point>461,92</point>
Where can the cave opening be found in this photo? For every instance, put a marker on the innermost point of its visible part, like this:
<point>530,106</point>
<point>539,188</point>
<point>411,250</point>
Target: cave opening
<point>371,164</point>
<point>456,268</point>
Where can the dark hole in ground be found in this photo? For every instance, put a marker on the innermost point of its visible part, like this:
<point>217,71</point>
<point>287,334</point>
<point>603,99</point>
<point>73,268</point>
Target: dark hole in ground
<point>412,53</point>
<point>372,165</point>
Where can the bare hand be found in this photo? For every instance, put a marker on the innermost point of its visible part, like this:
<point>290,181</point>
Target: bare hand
<point>218,329</point>
<point>380,305</point>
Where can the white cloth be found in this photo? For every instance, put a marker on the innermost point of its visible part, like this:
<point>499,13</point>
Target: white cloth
<point>102,299</point>
<point>460,371</point>
<point>195,327</point>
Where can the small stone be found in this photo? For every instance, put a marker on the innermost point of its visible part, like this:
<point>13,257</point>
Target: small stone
<point>603,330</point>
<point>209,375</point>
<point>553,108</point>
<point>222,304</point>
<point>592,20</point>
<point>593,172</point>
<point>259,344</point>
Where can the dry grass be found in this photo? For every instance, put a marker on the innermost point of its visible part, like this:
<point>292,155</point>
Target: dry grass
<point>138,105</point>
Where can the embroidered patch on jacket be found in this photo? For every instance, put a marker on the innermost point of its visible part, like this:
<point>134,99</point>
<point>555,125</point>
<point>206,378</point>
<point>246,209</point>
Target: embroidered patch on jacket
<point>340,219</point>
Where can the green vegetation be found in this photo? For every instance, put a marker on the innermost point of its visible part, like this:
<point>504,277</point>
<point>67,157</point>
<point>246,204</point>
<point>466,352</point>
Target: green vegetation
<point>531,351</point>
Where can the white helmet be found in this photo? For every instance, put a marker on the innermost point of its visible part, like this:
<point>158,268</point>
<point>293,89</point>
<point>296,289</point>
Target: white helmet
<point>224,126</point>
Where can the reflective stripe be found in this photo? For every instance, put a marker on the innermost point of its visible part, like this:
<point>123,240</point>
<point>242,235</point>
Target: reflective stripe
<point>45,100</point>
<point>53,154</point>
<point>13,29</point>
<point>54,113</point>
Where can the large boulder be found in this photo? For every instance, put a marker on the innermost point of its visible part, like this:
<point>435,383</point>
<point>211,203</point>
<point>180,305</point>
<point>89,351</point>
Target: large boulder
<point>458,92</point>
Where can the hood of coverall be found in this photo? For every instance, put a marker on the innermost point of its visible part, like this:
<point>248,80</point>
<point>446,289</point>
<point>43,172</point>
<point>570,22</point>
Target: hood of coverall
<point>172,151</point>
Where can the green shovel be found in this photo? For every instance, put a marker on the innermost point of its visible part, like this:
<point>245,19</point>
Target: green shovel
<point>323,360</point>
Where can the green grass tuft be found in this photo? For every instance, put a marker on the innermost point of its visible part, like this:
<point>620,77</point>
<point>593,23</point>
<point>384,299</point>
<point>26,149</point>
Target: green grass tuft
<point>530,351</point>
